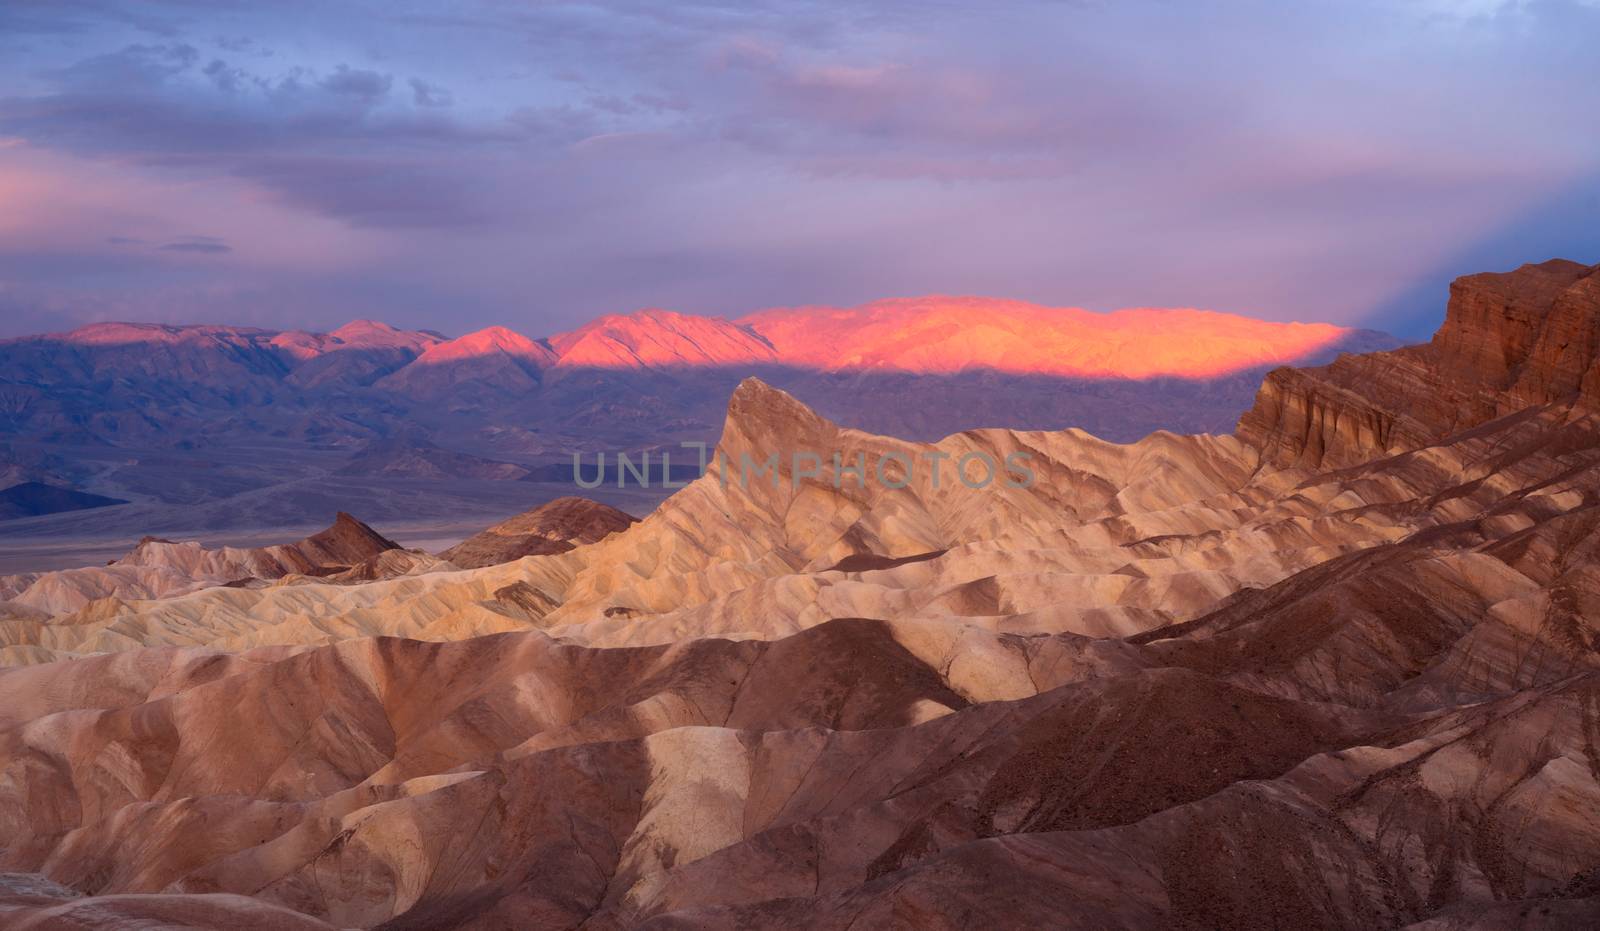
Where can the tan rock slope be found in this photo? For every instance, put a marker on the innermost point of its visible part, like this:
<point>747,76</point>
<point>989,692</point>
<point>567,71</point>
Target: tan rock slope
<point>158,568</point>
<point>553,527</point>
<point>1340,670</point>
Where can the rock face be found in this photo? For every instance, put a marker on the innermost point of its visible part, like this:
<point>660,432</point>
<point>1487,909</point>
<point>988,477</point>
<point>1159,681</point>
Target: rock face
<point>553,527</point>
<point>1528,332</point>
<point>1338,671</point>
<point>1510,341</point>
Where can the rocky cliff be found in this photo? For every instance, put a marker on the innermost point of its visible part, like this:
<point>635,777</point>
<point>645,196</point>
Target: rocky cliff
<point>1510,341</point>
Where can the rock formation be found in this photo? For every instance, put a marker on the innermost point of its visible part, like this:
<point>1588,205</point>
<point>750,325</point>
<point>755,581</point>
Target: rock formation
<point>1510,341</point>
<point>553,527</point>
<point>1340,670</point>
<point>158,568</point>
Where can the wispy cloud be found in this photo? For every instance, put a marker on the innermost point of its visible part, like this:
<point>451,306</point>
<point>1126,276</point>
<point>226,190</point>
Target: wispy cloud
<point>201,245</point>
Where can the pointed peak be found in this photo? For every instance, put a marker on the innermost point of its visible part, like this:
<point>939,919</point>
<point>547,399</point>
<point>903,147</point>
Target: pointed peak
<point>488,341</point>
<point>497,331</point>
<point>753,387</point>
<point>494,336</point>
<point>349,534</point>
<point>656,338</point>
<point>757,409</point>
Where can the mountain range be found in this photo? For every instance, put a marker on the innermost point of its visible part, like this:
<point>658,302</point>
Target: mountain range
<point>1336,669</point>
<point>217,428</point>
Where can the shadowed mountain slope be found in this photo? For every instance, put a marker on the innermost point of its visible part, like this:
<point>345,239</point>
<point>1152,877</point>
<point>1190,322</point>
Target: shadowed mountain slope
<point>30,499</point>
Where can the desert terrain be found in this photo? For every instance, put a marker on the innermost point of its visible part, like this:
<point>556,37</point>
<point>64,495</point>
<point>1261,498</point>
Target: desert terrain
<point>1336,668</point>
<point>237,435</point>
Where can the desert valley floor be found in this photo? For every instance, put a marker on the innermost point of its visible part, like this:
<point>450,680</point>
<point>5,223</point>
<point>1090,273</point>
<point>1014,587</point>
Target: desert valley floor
<point>1337,669</point>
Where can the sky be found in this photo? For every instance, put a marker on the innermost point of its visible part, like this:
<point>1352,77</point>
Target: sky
<point>535,164</point>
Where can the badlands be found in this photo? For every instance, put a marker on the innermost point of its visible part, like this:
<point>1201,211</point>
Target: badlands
<point>1337,669</point>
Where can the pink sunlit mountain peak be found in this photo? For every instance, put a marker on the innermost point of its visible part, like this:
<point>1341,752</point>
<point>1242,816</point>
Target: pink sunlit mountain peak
<point>496,360</point>
<point>485,342</point>
<point>944,334</point>
<point>376,332</point>
<point>657,338</point>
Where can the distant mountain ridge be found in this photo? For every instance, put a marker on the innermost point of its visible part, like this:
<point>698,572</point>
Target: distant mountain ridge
<point>955,334</point>
<point>932,334</point>
<point>120,382</point>
<point>191,416</point>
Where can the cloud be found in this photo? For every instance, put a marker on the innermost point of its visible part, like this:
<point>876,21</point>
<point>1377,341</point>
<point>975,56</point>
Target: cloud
<point>367,87</point>
<point>71,17</point>
<point>535,163</point>
<point>202,245</point>
<point>374,192</point>
<point>424,94</point>
<point>325,142</point>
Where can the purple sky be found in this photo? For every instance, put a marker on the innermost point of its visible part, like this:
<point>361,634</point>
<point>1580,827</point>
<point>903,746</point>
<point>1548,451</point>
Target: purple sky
<point>535,164</point>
